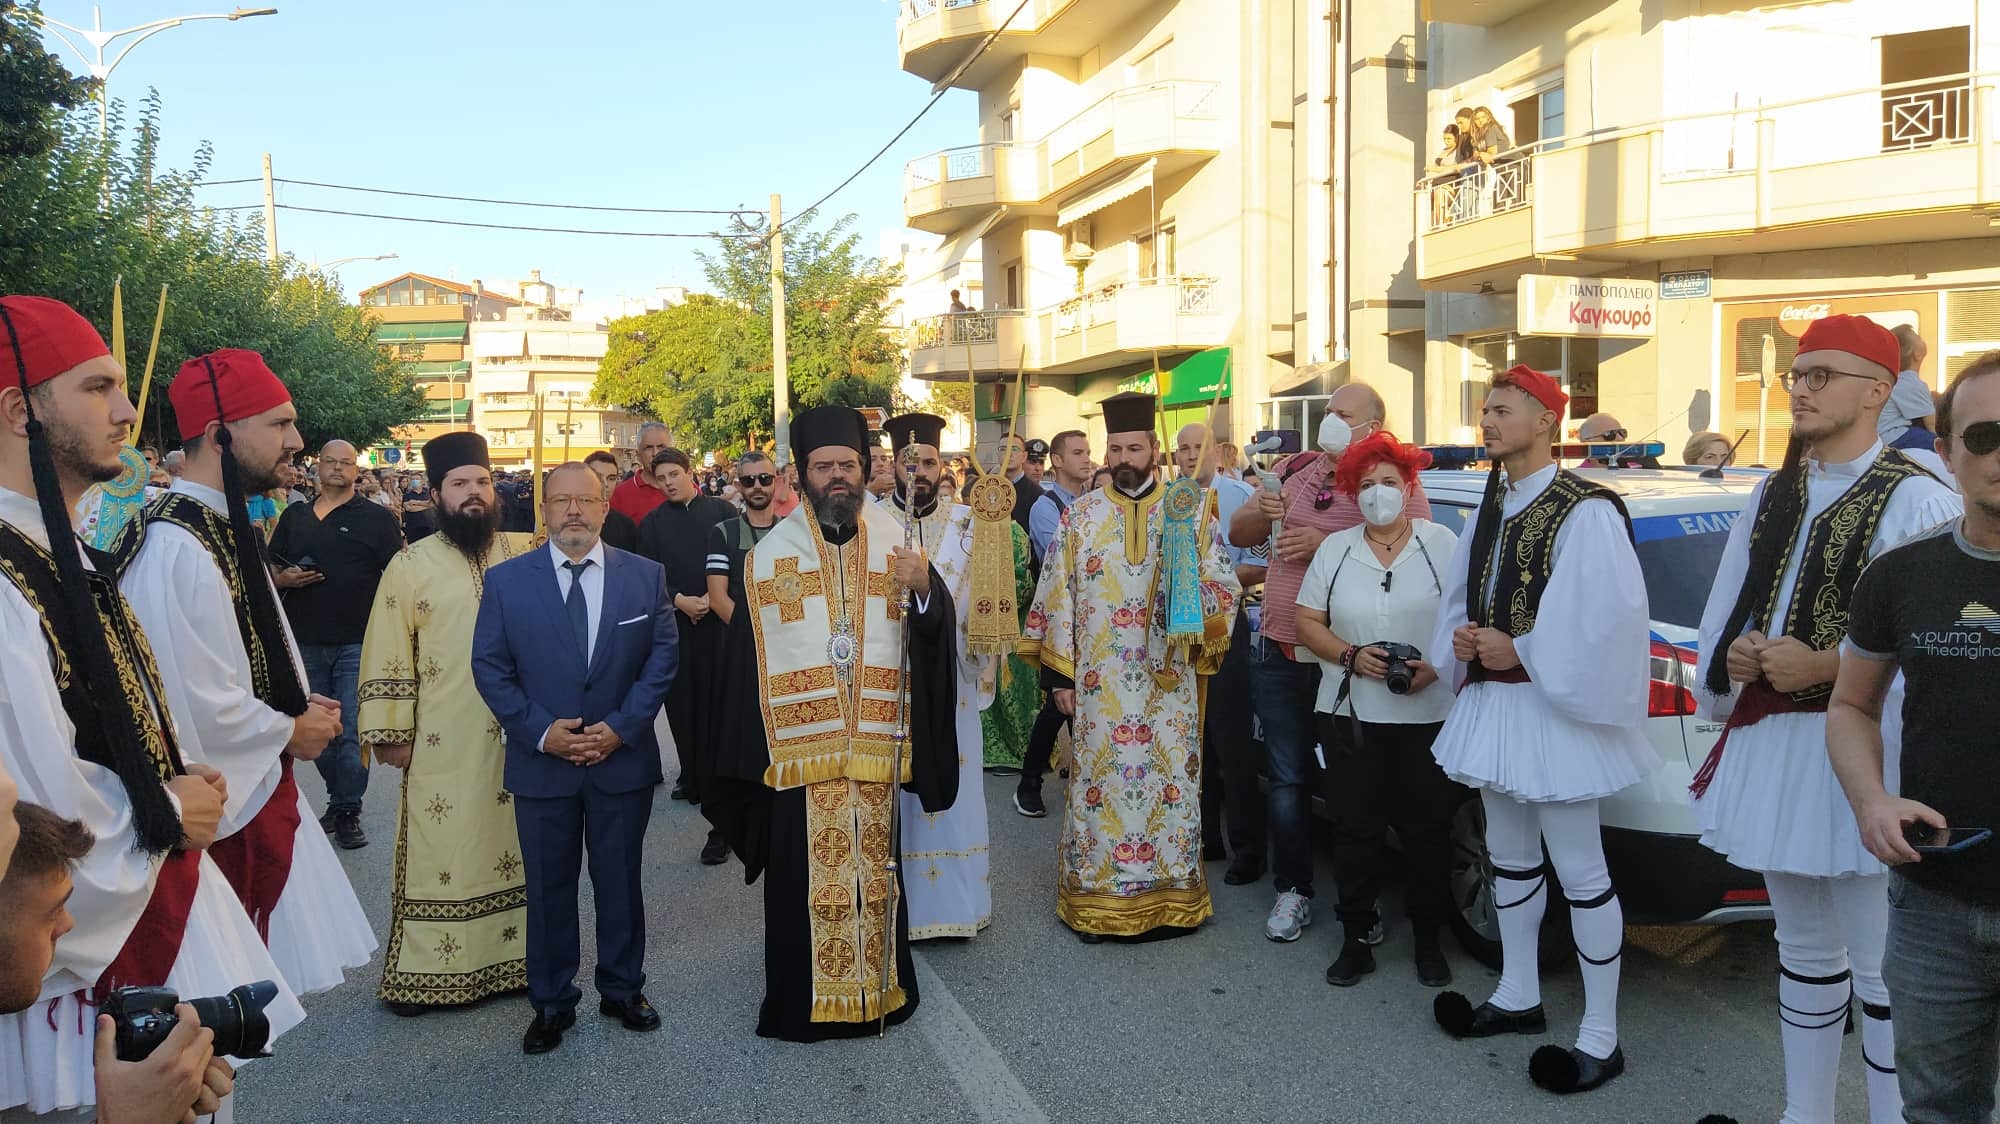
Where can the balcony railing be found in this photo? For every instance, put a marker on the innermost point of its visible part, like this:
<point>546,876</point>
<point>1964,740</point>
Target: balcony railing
<point>918,9</point>
<point>957,328</point>
<point>1161,312</point>
<point>1193,296</point>
<point>1750,142</point>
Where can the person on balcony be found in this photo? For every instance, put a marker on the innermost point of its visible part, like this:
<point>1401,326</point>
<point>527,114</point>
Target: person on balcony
<point>1489,140</point>
<point>957,305</point>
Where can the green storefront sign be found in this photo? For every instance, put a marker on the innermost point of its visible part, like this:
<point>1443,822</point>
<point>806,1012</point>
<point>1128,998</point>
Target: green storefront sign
<point>1197,379</point>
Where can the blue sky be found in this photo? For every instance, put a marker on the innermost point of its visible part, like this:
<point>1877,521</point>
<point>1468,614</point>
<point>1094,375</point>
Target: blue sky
<point>662,104</point>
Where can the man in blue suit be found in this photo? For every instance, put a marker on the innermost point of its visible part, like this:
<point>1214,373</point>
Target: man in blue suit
<point>573,651</point>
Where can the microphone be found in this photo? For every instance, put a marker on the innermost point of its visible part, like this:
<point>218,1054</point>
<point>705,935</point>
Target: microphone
<point>1386,576</point>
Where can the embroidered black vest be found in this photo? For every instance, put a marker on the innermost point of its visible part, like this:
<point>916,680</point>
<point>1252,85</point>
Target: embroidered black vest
<point>1836,553</point>
<point>1525,554</point>
<point>32,571</point>
<point>211,530</point>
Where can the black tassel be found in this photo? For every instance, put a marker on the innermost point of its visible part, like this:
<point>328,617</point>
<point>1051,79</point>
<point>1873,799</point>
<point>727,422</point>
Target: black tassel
<point>1778,517</point>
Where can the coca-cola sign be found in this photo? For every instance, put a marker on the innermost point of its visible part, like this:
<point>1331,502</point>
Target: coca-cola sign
<point>1804,313</point>
<point>1586,306</point>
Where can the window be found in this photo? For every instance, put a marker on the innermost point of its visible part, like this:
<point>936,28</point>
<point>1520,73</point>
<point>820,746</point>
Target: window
<point>1156,252</point>
<point>1489,355</point>
<point>1926,93</point>
<point>1539,116</point>
<point>1014,285</point>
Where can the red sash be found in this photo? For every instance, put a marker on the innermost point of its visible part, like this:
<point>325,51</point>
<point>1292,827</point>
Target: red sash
<point>1477,673</point>
<point>155,942</point>
<point>1758,701</point>
<point>258,860</point>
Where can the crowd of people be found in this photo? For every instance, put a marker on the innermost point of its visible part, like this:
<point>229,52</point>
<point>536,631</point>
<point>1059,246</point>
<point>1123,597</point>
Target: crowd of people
<point>843,647</point>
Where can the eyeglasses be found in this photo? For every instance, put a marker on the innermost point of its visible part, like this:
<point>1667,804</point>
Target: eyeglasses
<point>1816,378</point>
<point>582,502</point>
<point>762,480</point>
<point>1980,438</point>
<point>1607,435</point>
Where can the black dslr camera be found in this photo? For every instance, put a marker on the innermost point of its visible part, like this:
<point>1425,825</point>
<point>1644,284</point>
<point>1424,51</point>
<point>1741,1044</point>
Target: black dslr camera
<point>145,1016</point>
<point>1398,676</point>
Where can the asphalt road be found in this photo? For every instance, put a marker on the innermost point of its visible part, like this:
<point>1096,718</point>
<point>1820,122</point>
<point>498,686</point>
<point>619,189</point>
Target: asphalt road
<point>1025,1024</point>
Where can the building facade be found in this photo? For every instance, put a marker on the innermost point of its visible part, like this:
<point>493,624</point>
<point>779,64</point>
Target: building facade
<point>1688,184</point>
<point>1197,197</point>
<point>534,368</point>
<point>425,323</point>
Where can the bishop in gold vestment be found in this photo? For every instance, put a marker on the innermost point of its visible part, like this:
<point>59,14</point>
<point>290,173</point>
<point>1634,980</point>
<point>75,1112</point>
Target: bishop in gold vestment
<point>458,906</point>
<point>1132,610</point>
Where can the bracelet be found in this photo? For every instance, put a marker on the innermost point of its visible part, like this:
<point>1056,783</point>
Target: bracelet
<point>1347,657</point>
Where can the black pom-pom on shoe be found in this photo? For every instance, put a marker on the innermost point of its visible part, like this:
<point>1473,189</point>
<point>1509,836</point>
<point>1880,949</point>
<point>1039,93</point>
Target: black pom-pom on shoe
<point>1453,1012</point>
<point>1560,1070</point>
<point>1716,1118</point>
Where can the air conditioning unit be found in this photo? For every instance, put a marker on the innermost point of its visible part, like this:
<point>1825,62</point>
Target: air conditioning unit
<point>1077,243</point>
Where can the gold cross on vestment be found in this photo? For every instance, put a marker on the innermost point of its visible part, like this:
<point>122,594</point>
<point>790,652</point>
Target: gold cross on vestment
<point>883,586</point>
<point>789,589</point>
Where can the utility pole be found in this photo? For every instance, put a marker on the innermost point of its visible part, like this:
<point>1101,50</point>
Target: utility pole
<point>270,215</point>
<point>781,379</point>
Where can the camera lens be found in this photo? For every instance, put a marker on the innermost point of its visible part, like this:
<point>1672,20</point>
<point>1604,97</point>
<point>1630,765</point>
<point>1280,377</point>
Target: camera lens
<point>241,1030</point>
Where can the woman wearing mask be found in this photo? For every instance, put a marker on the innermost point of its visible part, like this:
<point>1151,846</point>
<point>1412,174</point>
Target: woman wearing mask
<point>1370,588</point>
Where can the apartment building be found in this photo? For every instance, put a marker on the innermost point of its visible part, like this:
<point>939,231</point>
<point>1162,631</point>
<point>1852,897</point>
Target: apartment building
<point>1201,198</point>
<point>1688,184</point>
<point>534,368</point>
<point>425,323</point>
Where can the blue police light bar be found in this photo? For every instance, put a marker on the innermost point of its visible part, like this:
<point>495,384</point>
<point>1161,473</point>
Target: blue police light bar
<point>1461,456</point>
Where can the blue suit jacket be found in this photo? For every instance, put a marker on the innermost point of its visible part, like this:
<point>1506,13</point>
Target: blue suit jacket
<point>527,667</point>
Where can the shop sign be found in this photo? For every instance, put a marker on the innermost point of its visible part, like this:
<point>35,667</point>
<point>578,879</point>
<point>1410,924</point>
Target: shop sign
<point>1686,285</point>
<point>1610,307</point>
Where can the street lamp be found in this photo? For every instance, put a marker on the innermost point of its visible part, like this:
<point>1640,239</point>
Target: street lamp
<point>99,39</point>
<point>329,267</point>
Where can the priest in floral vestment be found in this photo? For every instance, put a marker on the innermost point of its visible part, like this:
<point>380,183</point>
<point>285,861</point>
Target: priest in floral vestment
<point>809,756</point>
<point>458,906</point>
<point>946,852</point>
<point>1132,611</point>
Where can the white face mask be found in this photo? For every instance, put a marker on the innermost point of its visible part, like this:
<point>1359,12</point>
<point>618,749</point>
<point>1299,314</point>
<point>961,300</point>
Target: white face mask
<point>1335,435</point>
<point>1380,504</point>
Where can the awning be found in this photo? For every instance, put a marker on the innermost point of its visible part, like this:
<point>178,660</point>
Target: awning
<point>1308,380</point>
<point>1089,203</point>
<point>1195,381</point>
<point>440,370</point>
<point>447,331</point>
<point>438,410</point>
<point>505,343</point>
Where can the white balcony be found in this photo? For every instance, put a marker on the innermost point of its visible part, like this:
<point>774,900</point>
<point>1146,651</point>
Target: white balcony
<point>1913,162</point>
<point>1175,124</point>
<point>1477,13</point>
<point>934,37</point>
<point>942,190</point>
<point>984,343</point>
<point>1123,322</point>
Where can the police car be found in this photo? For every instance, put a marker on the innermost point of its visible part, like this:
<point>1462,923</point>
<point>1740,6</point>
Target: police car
<point>1680,522</point>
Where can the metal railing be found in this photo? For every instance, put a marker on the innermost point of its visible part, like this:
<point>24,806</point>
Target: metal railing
<point>1922,114</point>
<point>966,162</point>
<point>953,329</point>
<point>918,9</point>
<point>1192,296</point>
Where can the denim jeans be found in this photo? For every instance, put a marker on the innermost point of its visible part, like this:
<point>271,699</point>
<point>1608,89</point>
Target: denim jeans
<point>334,670</point>
<point>1942,966</point>
<point>1283,692</point>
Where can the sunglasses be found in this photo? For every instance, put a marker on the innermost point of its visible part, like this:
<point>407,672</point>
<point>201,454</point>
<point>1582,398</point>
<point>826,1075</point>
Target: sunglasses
<point>1607,435</point>
<point>1980,438</point>
<point>762,480</point>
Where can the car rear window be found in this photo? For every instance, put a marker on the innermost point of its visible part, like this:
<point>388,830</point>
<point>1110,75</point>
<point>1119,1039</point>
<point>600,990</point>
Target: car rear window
<point>1678,554</point>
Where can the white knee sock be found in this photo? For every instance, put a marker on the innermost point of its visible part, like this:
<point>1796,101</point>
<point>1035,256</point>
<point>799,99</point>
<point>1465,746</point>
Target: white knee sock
<point>1599,926</point>
<point>1522,896</point>
<point>1813,1010</point>
<point>1878,1048</point>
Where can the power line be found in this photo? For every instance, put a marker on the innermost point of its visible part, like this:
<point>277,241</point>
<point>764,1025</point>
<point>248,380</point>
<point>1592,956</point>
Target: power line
<point>494,202</point>
<point>483,225</point>
<point>944,87</point>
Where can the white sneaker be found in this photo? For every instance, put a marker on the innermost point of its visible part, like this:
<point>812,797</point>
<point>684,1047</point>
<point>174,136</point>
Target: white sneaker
<point>1289,917</point>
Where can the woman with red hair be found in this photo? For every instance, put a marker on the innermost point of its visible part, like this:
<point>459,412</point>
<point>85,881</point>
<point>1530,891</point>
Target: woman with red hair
<point>1369,599</point>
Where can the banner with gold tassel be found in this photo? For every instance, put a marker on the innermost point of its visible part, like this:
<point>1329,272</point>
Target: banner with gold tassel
<point>993,625</point>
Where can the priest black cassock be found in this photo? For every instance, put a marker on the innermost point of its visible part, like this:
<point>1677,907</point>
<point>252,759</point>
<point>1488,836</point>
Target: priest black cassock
<point>807,760</point>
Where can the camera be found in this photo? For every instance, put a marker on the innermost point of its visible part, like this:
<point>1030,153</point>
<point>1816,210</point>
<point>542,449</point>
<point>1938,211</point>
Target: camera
<point>145,1016</point>
<point>1398,676</point>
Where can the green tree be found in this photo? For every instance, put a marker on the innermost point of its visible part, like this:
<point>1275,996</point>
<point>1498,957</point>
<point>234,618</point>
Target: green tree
<point>34,86</point>
<point>705,367</point>
<point>89,211</point>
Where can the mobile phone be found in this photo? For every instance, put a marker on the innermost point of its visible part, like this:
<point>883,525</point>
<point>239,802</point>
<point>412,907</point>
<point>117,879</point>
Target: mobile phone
<point>1930,840</point>
<point>1280,441</point>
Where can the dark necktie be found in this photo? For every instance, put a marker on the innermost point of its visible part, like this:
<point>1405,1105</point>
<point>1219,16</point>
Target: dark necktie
<point>578,610</point>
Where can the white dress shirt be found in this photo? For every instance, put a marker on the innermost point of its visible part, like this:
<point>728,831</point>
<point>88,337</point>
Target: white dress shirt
<point>593,589</point>
<point>1360,611</point>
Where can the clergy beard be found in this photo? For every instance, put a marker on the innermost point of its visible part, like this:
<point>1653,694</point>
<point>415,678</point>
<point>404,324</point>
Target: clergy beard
<point>834,509</point>
<point>471,528</point>
<point>1131,480</point>
<point>921,493</point>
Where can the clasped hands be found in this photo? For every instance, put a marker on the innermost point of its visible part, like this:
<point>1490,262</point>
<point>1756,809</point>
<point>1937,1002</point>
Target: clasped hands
<point>1785,662</point>
<point>578,744</point>
<point>1493,648</point>
<point>911,570</point>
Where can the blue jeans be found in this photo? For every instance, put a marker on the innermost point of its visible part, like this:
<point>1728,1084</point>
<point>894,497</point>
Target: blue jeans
<point>1942,966</point>
<point>334,670</point>
<point>1283,692</point>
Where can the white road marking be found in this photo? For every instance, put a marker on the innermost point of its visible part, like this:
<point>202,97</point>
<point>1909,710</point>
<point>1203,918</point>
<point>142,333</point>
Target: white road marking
<point>988,1082</point>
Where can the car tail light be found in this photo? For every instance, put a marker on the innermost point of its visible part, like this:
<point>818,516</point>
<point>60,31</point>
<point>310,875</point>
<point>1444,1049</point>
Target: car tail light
<point>1746,897</point>
<point>1671,693</point>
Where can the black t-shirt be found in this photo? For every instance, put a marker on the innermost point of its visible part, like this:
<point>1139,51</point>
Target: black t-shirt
<point>351,546</point>
<point>1933,606</point>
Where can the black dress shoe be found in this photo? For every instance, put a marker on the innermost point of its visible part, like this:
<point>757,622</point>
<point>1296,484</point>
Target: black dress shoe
<point>680,792</point>
<point>1571,1070</point>
<point>1089,938</point>
<point>545,1033</point>
<point>405,1010</point>
<point>1356,960</point>
<point>716,851</point>
<point>1461,1019</point>
<point>347,831</point>
<point>636,1013</point>
<point>1243,875</point>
